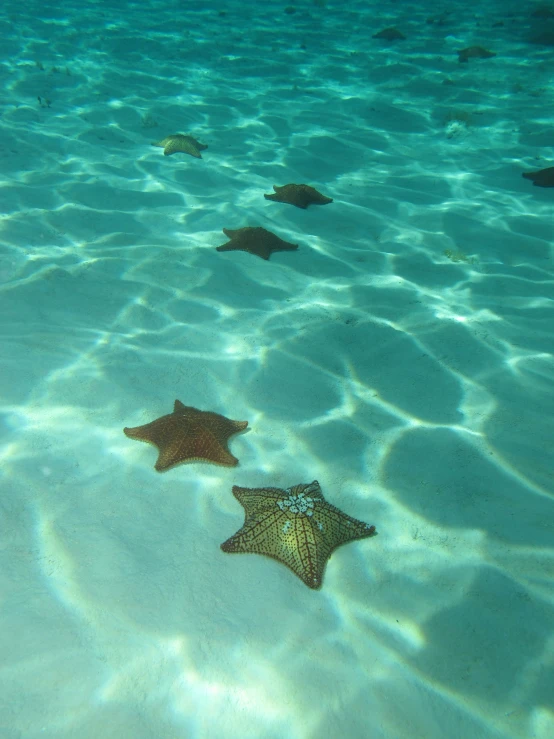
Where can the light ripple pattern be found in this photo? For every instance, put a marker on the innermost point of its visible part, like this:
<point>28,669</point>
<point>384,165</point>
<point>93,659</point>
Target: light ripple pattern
<point>402,356</point>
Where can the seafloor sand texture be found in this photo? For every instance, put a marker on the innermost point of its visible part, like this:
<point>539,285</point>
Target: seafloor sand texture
<point>402,356</point>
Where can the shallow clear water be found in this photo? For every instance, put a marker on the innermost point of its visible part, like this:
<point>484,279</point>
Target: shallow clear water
<point>402,356</point>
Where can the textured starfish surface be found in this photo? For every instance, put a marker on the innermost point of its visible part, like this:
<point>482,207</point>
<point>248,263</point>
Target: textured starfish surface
<point>256,241</point>
<point>189,435</point>
<point>474,52</point>
<point>541,178</point>
<point>295,526</point>
<point>299,195</point>
<point>180,142</point>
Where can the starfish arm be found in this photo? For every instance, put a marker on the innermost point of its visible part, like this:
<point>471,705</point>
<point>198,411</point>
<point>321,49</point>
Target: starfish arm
<point>281,245</point>
<point>222,426</point>
<point>170,455</point>
<point>312,553</point>
<point>296,547</point>
<point>256,535</point>
<point>257,501</point>
<point>278,536</point>
<point>227,246</point>
<point>274,195</point>
<point>154,432</point>
<point>236,245</point>
<point>313,489</point>
<point>174,147</point>
<point>542,177</point>
<point>338,528</point>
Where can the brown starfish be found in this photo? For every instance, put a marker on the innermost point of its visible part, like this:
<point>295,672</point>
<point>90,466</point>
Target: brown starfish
<point>295,526</point>
<point>189,435</point>
<point>299,195</point>
<point>180,142</point>
<point>541,178</point>
<point>256,241</point>
<point>474,52</point>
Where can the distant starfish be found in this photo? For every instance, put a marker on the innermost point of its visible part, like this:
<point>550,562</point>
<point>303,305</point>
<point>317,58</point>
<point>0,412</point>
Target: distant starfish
<point>541,177</point>
<point>299,195</point>
<point>256,241</point>
<point>474,52</point>
<point>295,526</point>
<point>189,435</point>
<point>390,34</point>
<point>180,142</point>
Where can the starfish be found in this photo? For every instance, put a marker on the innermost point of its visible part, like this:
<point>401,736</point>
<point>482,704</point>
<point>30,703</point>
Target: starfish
<point>299,195</point>
<point>545,37</point>
<point>183,143</point>
<point>256,241</point>
<point>189,435</point>
<point>390,34</point>
<point>474,52</point>
<point>543,11</point>
<point>541,178</point>
<point>295,526</point>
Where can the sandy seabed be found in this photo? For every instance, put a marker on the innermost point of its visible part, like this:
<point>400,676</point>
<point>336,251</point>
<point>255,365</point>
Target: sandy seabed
<point>402,356</point>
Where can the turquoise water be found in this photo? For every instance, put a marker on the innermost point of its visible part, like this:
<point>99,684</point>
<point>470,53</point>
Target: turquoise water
<point>401,356</point>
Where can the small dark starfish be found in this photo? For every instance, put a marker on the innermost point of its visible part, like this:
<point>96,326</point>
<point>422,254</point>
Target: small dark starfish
<point>544,37</point>
<point>543,11</point>
<point>256,241</point>
<point>474,52</point>
<point>180,142</point>
<point>295,526</point>
<point>541,178</point>
<point>189,435</point>
<point>390,34</point>
<point>299,195</point>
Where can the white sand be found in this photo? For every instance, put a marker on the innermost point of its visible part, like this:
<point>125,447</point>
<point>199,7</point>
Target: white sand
<point>402,356</point>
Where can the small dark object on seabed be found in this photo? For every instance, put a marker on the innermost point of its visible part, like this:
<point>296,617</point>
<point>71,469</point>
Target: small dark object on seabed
<point>390,34</point>
<point>438,20</point>
<point>300,195</point>
<point>541,178</point>
<point>543,11</point>
<point>474,52</point>
<point>545,37</point>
